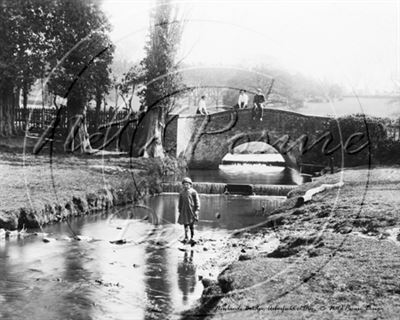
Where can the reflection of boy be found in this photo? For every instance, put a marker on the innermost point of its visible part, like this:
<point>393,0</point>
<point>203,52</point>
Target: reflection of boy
<point>188,207</point>
<point>243,99</point>
<point>186,276</point>
<point>258,101</point>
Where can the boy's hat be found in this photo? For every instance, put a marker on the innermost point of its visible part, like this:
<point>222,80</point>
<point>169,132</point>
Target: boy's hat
<point>187,179</point>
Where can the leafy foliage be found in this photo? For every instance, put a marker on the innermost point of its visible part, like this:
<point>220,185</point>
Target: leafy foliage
<point>162,83</point>
<point>84,52</point>
<point>382,149</point>
<point>64,40</point>
<point>22,54</point>
<point>367,131</point>
<point>127,86</point>
<point>288,89</point>
<point>22,36</point>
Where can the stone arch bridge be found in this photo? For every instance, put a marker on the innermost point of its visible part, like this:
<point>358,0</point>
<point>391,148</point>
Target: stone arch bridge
<point>205,140</point>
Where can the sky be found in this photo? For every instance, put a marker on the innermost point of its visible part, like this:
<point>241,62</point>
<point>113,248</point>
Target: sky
<point>354,43</point>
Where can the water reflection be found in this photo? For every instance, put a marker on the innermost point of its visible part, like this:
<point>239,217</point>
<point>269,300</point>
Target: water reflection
<point>78,296</point>
<point>44,281</point>
<point>10,287</point>
<point>158,287</point>
<point>98,280</point>
<point>186,276</point>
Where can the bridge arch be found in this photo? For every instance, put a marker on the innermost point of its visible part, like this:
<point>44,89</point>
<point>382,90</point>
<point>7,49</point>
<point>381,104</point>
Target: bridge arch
<point>205,140</point>
<point>256,152</point>
<point>228,145</point>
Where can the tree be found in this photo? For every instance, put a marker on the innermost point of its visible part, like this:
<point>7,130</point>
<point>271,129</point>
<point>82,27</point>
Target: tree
<point>161,81</point>
<point>79,29</point>
<point>23,53</point>
<point>128,84</point>
<point>64,39</point>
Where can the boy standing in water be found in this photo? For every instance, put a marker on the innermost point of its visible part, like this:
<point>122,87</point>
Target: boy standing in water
<point>188,207</point>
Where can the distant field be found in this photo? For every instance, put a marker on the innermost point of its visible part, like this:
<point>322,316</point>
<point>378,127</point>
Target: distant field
<point>373,106</point>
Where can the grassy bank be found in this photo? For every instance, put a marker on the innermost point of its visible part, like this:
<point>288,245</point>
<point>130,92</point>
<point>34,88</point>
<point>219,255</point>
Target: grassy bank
<point>36,190</point>
<point>338,257</point>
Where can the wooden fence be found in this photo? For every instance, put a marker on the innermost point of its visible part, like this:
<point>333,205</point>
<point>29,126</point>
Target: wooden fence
<point>39,119</point>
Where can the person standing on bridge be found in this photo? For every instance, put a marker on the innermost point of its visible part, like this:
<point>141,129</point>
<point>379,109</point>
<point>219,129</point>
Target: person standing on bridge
<point>202,106</point>
<point>243,99</point>
<point>258,102</point>
<point>188,208</point>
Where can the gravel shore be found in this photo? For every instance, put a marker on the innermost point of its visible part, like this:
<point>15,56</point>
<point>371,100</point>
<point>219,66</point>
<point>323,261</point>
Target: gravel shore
<point>337,256</point>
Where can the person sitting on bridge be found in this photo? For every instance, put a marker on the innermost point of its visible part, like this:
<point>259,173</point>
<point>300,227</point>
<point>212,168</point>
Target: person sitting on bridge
<point>243,99</point>
<point>258,102</point>
<point>188,208</point>
<point>202,106</point>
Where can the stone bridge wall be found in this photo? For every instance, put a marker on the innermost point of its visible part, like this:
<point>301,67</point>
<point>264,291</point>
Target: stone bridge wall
<point>205,140</point>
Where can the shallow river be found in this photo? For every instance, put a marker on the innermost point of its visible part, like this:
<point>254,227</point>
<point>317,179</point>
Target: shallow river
<point>148,277</point>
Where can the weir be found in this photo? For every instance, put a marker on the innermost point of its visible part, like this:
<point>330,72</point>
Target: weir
<point>269,163</point>
<point>221,188</point>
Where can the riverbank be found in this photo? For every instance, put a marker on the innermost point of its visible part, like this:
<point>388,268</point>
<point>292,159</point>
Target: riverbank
<point>337,256</point>
<point>37,190</point>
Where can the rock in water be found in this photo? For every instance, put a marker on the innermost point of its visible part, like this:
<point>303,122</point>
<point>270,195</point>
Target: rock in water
<point>82,238</point>
<point>41,234</point>
<point>11,234</point>
<point>120,241</point>
<point>208,282</point>
<point>244,257</point>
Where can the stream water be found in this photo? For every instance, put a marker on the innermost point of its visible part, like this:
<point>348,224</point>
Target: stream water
<point>148,277</point>
<point>151,276</point>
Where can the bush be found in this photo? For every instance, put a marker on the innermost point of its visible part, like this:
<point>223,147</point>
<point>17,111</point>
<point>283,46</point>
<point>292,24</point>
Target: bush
<point>357,140</point>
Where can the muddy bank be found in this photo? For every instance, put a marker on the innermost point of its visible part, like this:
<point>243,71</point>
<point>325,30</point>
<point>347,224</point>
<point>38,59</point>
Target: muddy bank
<point>338,257</point>
<point>37,190</point>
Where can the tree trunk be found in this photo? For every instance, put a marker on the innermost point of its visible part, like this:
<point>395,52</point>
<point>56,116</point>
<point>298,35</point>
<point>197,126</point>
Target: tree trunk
<point>148,138</point>
<point>99,98</point>
<point>7,108</point>
<point>77,123</point>
<point>25,95</point>
<point>25,104</point>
